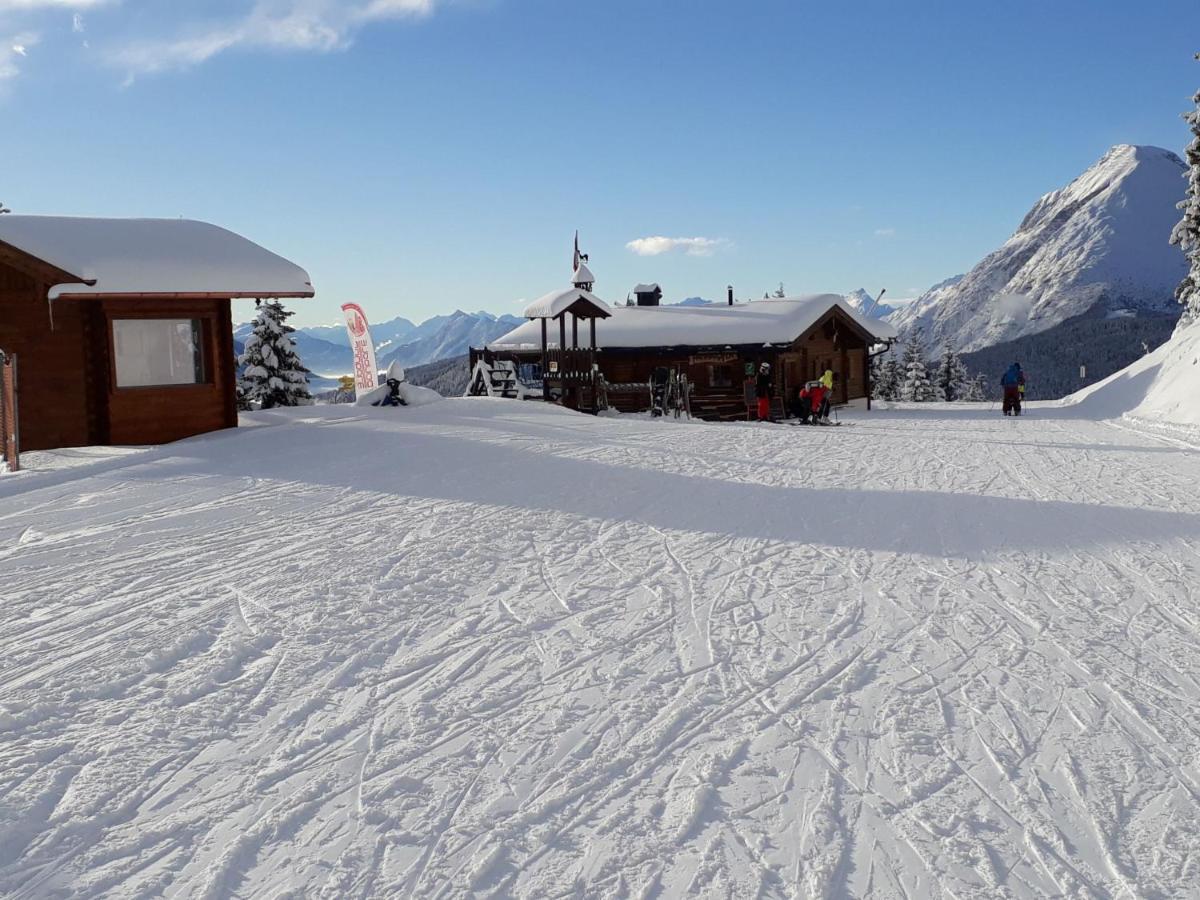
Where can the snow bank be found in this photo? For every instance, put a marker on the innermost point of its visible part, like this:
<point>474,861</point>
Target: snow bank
<point>414,395</point>
<point>1161,388</point>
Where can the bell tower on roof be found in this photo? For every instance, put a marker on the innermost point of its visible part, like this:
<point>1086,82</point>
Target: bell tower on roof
<point>582,276</point>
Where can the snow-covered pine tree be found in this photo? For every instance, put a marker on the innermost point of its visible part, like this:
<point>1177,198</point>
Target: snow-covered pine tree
<point>1186,234</point>
<point>975,389</point>
<point>915,386</point>
<point>780,293</point>
<point>272,373</point>
<point>951,377</point>
<point>895,375</point>
<point>885,377</point>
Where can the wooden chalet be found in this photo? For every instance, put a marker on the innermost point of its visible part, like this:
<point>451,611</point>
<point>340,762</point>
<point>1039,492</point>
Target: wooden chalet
<point>718,347</point>
<point>122,327</point>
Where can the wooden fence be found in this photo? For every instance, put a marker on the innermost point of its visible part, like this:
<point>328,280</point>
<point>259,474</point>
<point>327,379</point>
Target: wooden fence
<point>9,430</point>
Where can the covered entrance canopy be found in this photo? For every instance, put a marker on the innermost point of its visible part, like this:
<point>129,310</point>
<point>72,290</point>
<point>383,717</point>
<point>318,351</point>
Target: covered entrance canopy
<point>568,366</point>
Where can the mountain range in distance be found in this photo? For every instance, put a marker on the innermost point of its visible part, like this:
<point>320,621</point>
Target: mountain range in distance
<point>1098,247</point>
<point>325,349</point>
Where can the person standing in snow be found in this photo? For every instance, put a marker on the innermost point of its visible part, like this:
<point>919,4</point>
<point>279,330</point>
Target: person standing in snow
<point>826,393</point>
<point>1013,382</point>
<point>762,392</point>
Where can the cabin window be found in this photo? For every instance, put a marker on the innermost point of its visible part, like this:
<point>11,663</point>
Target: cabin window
<point>720,376</point>
<point>154,352</point>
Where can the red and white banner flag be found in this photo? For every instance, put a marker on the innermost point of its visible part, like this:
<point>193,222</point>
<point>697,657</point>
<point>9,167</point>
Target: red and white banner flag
<point>366,376</point>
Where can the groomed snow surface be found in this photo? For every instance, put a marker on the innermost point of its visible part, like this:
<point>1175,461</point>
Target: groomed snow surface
<point>493,648</point>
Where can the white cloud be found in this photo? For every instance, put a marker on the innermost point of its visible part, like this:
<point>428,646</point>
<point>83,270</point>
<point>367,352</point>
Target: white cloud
<point>692,246</point>
<point>885,232</point>
<point>318,26</point>
<point>12,49</point>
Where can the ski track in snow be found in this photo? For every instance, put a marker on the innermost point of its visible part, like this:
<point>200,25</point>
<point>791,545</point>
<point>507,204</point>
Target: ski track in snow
<point>488,648</point>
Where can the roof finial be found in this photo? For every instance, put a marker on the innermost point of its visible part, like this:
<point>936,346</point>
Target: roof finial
<point>582,277</point>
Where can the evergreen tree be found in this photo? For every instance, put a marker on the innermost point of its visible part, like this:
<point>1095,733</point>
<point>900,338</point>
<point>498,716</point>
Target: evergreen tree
<point>915,386</point>
<point>272,373</point>
<point>780,293</point>
<point>951,377</point>
<point>1187,233</point>
<point>885,377</point>
<point>975,390</point>
<point>894,372</point>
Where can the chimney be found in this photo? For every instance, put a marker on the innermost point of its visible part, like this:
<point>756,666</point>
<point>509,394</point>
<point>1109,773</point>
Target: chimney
<point>730,290</point>
<point>648,294</point>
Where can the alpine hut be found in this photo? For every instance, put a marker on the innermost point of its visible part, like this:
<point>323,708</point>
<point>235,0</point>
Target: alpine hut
<point>717,347</point>
<point>122,327</point>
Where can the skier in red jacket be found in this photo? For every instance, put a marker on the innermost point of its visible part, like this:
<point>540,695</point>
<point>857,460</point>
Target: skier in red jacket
<point>816,394</point>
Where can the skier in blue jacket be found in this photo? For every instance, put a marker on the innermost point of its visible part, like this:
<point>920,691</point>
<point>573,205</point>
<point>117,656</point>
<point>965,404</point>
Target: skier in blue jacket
<point>1013,382</point>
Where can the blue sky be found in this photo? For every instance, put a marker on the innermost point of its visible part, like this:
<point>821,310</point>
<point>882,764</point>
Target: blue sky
<point>422,155</point>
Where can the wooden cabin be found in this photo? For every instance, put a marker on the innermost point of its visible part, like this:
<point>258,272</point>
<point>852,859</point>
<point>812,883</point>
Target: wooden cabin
<point>720,347</point>
<point>122,327</point>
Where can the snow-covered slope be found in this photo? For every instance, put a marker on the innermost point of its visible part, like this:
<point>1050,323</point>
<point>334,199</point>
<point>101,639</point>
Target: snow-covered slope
<point>490,648</point>
<point>1100,240</point>
<point>1162,388</point>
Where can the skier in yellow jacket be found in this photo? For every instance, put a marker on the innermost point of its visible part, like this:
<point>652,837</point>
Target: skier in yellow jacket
<point>827,383</point>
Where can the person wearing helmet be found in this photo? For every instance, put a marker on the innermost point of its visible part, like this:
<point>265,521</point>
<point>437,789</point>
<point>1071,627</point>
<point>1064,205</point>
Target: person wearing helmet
<point>762,392</point>
<point>1013,382</point>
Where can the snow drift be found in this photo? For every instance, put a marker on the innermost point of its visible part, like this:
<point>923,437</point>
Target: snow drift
<point>1161,388</point>
<point>1101,242</point>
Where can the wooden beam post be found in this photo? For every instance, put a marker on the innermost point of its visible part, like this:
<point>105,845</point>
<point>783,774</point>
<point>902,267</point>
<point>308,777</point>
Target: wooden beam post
<point>867,373</point>
<point>593,324</point>
<point>574,331</point>
<point>545,365</point>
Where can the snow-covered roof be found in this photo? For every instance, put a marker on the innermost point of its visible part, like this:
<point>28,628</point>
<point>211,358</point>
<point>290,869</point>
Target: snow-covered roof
<point>760,322</point>
<point>550,305</point>
<point>153,256</point>
<point>650,288</point>
<point>583,275</point>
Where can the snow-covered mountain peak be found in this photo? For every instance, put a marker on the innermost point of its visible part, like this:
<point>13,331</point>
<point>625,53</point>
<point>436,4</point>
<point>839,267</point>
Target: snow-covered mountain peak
<point>1102,239</point>
<point>864,303</point>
